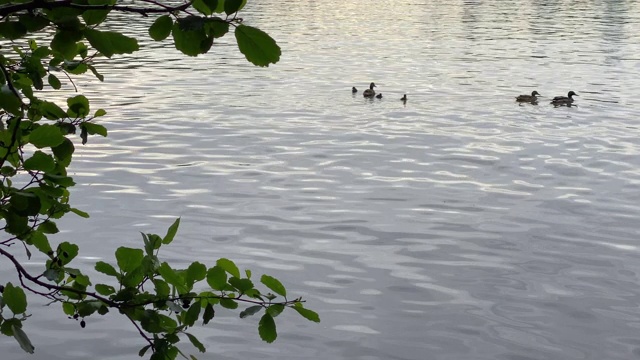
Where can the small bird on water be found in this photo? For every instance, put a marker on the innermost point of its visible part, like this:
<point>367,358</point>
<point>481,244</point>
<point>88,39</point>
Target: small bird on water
<point>564,100</point>
<point>354,90</point>
<point>379,96</point>
<point>528,98</point>
<point>404,98</point>
<point>369,92</point>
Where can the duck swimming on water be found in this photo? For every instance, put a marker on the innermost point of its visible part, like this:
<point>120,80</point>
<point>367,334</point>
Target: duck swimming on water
<point>369,92</point>
<point>528,98</point>
<point>379,96</point>
<point>354,90</point>
<point>404,98</point>
<point>564,100</point>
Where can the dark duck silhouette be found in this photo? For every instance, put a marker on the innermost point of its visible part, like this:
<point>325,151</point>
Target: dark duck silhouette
<point>528,98</point>
<point>564,100</point>
<point>369,92</point>
<point>354,90</point>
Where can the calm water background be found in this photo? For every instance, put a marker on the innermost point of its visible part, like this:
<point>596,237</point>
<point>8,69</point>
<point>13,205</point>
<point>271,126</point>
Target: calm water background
<point>458,226</point>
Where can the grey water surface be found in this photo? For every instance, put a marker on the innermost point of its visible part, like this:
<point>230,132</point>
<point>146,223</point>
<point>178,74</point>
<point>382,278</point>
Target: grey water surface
<point>460,225</point>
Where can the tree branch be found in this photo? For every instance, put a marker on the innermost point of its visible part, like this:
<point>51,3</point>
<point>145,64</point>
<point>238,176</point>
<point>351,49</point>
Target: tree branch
<point>37,5</point>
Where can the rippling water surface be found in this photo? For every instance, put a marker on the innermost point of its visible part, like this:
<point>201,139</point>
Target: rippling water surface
<point>459,225</point>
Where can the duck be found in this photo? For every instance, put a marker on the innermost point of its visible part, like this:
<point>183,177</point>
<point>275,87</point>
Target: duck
<point>528,98</point>
<point>354,90</point>
<point>369,92</point>
<point>404,98</point>
<point>564,100</point>
<point>379,96</point>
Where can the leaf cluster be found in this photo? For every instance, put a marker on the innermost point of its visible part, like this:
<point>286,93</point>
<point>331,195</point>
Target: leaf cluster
<point>44,45</point>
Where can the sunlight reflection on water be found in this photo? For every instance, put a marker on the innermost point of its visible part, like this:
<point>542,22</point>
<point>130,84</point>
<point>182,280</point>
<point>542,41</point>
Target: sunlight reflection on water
<point>459,224</point>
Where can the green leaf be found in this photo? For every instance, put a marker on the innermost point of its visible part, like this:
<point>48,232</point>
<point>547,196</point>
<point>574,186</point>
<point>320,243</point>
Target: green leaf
<point>205,7</point>
<point>170,276</point>
<point>306,313</point>
<point>111,42</point>
<point>25,203</point>
<point>46,136</point>
<point>41,52</point>
<point>190,38</point>
<point>196,272</point>
<point>99,113</point>
<point>105,290</point>
<point>216,27</point>
<point>83,135</point>
<point>33,22</point>
<point>196,343</point>
<point>76,67</point>
<point>16,224</point>
<point>54,82</point>
<point>274,285</point>
<point>8,101</point>
<point>40,161</point>
<point>162,288</point>
<point>53,275</point>
<point>95,72</point>
<point>128,258</point>
<point>242,285</point>
<point>209,313</point>
<point>144,350</point>
<point>252,310</point>
<point>257,46</point>
<point>229,266</point>
<point>6,327</point>
<point>7,171</point>
<point>228,304</point>
<point>67,252</point>
<point>48,227</point>
<point>51,110</point>
<point>15,299</point>
<point>275,309</point>
<point>232,6</point>
<point>23,339</point>
<point>157,323</point>
<point>40,241</point>
<point>106,268</point>
<point>171,232</point>
<point>12,30</point>
<point>94,17</point>
<point>64,152</point>
<point>93,128</point>
<point>68,308</point>
<point>80,213</point>
<point>78,106</point>
<point>64,43</point>
<point>267,328</point>
<point>161,28</point>
<point>192,314</point>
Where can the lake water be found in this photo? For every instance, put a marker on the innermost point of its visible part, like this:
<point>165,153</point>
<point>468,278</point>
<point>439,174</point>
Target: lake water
<point>460,225</point>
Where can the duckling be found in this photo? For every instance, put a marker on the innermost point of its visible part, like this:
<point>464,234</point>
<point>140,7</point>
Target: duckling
<point>354,90</point>
<point>379,96</point>
<point>528,98</point>
<point>564,100</point>
<point>404,98</point>
<point>369,92</point>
